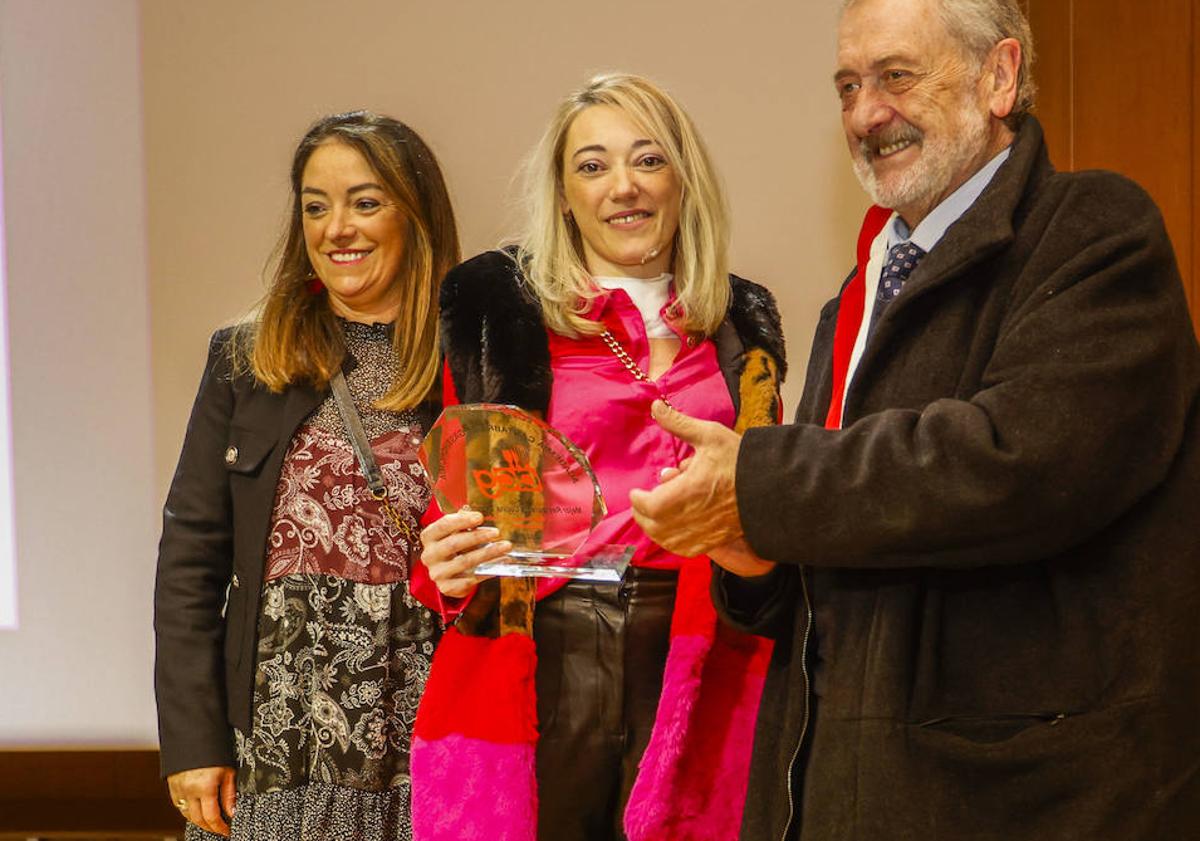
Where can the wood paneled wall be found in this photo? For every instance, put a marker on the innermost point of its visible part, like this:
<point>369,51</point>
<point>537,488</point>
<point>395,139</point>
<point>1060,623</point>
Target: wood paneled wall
<point>1120,89</point>
<point>96,792</point>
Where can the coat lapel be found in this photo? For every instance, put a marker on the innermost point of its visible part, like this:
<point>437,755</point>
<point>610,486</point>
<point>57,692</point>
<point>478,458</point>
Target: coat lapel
<point>984,229</point>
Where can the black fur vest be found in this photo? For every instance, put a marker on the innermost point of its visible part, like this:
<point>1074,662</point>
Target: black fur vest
<point>495,341</point>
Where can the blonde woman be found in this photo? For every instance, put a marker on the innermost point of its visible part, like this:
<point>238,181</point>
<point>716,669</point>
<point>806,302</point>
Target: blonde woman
<point>290,655</point>
<point>541,705</point>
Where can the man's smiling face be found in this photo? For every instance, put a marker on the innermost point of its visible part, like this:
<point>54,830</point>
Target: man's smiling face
<point>915,107</point>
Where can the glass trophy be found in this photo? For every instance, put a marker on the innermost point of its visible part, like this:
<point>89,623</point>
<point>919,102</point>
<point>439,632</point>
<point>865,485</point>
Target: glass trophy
<point>527,480</point>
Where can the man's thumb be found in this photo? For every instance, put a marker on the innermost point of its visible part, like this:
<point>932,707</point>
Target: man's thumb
<point>684,427</point>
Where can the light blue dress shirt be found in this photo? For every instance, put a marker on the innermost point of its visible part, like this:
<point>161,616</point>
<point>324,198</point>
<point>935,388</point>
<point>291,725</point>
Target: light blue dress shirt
<point>933,227</point>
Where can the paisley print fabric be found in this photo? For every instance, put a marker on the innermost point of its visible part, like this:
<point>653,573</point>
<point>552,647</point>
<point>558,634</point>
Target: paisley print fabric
<point>341,668</point>
<point>326,520</point>
<point>343,649</point>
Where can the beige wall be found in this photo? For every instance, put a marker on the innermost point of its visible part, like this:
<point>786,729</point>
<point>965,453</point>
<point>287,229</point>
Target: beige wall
<point>77,669</point>
<point>230,86</point>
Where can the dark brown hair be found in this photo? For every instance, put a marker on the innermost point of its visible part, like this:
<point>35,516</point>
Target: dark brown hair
<point>296,337</point>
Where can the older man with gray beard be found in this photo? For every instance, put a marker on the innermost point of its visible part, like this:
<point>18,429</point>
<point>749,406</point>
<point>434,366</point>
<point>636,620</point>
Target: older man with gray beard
<point>977,545</point>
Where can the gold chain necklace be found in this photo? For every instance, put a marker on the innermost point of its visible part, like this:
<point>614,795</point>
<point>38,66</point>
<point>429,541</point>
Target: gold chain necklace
<point>626,360</point>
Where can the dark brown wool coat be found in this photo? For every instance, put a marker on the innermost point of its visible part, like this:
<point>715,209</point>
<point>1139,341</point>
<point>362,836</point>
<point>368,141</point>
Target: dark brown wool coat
<point>1002,546</point>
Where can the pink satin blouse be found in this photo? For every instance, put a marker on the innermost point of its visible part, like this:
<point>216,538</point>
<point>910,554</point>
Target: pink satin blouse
<point>599,404</point>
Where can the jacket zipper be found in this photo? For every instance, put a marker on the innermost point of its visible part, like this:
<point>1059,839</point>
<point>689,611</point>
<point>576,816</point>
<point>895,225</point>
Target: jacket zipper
<point>807,701</point>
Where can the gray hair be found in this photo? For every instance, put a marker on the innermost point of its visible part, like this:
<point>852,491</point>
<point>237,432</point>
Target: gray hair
<point>978,25</point>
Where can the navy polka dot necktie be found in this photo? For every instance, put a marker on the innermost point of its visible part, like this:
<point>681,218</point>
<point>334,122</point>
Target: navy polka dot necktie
<point>902,259</point>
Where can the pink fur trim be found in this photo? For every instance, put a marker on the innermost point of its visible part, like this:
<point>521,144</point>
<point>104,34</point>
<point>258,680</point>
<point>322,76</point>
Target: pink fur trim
<point>471,790</point>
<point>692,780</point>
<point>651,801</point>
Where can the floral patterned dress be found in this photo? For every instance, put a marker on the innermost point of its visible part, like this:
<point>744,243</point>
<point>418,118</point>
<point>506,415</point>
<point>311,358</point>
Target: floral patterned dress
<point>343,649</point>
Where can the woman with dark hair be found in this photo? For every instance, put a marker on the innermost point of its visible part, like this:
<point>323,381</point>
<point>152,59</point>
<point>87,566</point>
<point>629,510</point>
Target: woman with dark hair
<point>290,655</point>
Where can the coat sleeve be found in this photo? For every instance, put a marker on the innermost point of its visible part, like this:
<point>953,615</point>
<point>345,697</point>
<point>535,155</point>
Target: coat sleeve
<point>195,561</point>
<point>764,605</point>
<point>1082,407</point>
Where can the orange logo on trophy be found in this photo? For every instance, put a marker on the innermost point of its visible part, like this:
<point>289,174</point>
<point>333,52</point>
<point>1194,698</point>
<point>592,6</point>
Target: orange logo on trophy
<point>512,475</point>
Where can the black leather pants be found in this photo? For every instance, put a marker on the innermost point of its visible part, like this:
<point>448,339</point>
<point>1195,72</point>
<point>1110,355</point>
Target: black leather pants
<point>601,650</point>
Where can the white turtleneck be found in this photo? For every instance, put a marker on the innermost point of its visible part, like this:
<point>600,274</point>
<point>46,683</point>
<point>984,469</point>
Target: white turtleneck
<point>649,296</point>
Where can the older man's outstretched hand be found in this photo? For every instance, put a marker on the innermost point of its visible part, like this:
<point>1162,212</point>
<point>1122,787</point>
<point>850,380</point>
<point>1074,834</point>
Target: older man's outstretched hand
<point>694,510</point>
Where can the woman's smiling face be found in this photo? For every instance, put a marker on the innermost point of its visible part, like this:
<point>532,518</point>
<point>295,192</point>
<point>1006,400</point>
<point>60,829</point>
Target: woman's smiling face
<point>622,192</point>
<point>354,233</point>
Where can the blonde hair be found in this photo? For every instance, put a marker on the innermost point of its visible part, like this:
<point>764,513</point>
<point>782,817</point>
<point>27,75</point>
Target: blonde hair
<point>296,336</point>
<point>549,249</point>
